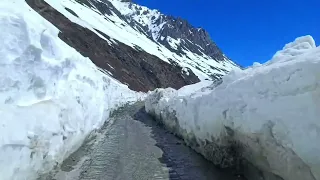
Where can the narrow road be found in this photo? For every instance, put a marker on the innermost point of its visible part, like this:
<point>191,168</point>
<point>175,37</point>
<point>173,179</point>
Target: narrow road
<point>132,146</point>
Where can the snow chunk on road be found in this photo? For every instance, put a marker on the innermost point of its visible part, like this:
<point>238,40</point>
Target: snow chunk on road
<point>51,97</point>
<point>269,112</point>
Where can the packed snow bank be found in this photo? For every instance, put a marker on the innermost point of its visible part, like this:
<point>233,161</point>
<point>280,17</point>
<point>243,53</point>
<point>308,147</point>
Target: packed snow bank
<point>189,89</point>
<point>267,115</point>
<point>50,96</point>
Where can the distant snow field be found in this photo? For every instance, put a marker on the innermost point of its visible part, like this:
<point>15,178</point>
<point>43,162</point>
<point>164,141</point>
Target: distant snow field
<point>51,97</point>
<point>270,112</point>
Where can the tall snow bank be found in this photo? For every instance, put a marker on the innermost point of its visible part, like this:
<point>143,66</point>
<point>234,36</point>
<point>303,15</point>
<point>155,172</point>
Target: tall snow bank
<point>267,115</point>
<point>50,96</point>
<point>293,49</point>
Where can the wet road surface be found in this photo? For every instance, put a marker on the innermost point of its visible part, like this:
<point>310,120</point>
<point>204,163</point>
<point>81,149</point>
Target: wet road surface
<point>132,146</point>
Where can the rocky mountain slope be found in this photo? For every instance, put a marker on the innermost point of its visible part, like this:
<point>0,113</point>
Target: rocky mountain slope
<point>168,29</point>
<point>134,44</point>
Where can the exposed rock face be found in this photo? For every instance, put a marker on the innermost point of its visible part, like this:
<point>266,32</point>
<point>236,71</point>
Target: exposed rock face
<point>136,68</point>
<point>180,28</point>
<point>197,40</point>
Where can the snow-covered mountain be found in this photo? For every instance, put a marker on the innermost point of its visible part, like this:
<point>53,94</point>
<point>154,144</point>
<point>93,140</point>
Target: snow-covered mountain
<point>174,33</point>
<point>134,42</point>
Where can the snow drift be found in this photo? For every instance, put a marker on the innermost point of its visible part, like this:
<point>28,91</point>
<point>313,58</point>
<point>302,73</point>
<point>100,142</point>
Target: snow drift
<point>51,97</point>
<point>267,115</point>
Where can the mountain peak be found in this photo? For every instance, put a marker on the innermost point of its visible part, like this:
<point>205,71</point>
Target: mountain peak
<point>163,28</point>
<point>177,35</point>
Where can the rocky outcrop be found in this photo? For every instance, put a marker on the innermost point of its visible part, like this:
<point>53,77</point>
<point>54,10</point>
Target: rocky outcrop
<point>179,28</point>
<point>197,40</point>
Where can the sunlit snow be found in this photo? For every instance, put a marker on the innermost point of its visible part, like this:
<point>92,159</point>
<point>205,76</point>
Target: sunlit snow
<point>273,110</point>
<point>51,97</point>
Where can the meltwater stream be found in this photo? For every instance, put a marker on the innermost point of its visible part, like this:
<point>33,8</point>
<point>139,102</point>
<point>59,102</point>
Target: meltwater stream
<point>132,146</point>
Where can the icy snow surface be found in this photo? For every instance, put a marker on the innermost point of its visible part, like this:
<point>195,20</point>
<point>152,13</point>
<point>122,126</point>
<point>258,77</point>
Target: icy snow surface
<point>50,96</point>
<point>116,28</point>
<point>272,109</point>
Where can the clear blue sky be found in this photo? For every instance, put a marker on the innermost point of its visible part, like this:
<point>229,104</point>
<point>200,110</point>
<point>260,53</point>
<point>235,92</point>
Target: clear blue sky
<point>247,30</point>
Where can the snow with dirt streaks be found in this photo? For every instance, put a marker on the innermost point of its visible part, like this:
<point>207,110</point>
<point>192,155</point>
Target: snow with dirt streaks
<point>271,109</point>
<point>51,97</point>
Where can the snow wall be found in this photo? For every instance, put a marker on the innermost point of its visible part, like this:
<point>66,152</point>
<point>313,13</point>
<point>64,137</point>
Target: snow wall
<point>266,115</point>
<point>51,97</point>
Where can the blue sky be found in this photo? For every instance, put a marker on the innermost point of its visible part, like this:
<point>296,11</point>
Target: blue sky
<point>247,30</point>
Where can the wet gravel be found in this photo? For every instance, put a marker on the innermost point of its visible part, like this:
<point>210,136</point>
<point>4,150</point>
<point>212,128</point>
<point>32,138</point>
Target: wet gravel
<point>132,146</point>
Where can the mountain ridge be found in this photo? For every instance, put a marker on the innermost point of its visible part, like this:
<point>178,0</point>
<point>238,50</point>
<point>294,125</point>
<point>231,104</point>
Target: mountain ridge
<point>174,27</point>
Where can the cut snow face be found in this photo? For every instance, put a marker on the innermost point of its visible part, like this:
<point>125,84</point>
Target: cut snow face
<point>51,97</point>
<point>267,114</point>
